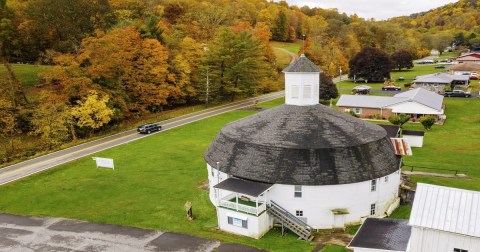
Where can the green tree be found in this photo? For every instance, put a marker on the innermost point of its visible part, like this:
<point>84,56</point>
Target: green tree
<point>281,28</point>
<point>236,64</point>
<point>399,119</point>
<point>328,89</point>
<point>427,122</point>
<point>372,64</point>
<point>402,59</point>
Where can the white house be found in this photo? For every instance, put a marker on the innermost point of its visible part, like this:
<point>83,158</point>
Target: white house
<point>445,219</point>
<point>301,164</point>
<point>417,102</point>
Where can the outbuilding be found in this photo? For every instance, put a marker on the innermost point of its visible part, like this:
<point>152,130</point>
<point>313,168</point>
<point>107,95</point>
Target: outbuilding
<point>302,165</point>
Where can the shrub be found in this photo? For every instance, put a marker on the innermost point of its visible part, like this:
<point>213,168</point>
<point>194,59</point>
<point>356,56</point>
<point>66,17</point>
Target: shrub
<point>352,113</point>
<point>378,116</point>
<point>427,121</point>
<point>399,119</point>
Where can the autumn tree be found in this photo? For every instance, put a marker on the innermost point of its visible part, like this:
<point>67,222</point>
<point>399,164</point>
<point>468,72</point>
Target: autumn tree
<point>372,64</point>
<point>280,29</point>
<point>402,59</point>
<point>92,112</point>
<point>328,89</point>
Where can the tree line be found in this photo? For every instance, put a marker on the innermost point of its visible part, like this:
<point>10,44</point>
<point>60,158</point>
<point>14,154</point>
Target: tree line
<point>119,60</point>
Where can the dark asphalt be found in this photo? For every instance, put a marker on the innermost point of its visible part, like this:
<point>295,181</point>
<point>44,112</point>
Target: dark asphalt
<point>32,166</point>
<point>36,234</point>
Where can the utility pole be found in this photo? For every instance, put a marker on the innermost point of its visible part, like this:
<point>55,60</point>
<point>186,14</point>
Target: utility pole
<point>208,86</point>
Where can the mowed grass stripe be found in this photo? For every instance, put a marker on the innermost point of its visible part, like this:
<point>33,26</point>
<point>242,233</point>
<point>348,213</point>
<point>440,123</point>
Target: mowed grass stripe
<point>152,180</point>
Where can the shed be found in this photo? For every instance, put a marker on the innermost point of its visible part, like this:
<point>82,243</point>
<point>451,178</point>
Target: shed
<point>413,137</point>
<point>445,219</point>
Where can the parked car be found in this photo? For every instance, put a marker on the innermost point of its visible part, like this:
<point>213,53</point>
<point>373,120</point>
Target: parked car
<point>391,88</point>
<point>457,93</point>
<point>473,76</point>
<point>440,66</point>
<point>148,128</point>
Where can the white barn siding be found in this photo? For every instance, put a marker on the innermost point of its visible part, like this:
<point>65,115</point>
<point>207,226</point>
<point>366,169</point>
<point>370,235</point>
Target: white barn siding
<point>425,239</point>
<point>257,226</point>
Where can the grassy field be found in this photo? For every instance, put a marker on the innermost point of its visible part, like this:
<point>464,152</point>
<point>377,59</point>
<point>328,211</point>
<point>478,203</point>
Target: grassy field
<point>26,73</point>
<point>153,179</point>
<point>291,47</point>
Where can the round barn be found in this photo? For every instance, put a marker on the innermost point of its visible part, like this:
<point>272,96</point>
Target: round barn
<point>302,165</point>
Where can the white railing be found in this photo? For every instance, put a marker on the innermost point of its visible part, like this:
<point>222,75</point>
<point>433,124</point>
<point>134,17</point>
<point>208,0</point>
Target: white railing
<point>242,207</point>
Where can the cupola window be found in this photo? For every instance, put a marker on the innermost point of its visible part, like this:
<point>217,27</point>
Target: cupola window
<point>298,191</point>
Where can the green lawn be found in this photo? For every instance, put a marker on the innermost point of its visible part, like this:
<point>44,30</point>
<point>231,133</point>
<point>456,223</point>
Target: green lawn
<point>334,248</point>
<point>283,58</point>
<point>26,73</point>
<point>152,180</point>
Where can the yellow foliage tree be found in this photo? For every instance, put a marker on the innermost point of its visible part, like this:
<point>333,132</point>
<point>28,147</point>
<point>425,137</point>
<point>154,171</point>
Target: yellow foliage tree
<point>93,111</point>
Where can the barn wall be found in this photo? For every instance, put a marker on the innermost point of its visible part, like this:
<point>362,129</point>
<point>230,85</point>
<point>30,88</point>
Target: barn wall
<point>425,239</point>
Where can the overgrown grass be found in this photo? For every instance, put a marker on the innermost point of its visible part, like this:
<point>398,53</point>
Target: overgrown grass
<point>152,180</point>
<point>26,73</point>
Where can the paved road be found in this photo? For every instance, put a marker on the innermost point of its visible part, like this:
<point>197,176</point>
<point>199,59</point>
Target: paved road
<point>37,234</point>
<point>32,166</point>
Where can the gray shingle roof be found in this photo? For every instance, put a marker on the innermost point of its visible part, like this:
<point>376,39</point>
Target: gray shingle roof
<point>303,145</point>
<point>302,65</point>
<point>382,234</point>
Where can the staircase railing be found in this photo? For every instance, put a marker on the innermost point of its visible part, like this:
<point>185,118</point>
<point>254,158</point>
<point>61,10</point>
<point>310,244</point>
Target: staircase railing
<point>299,227</point>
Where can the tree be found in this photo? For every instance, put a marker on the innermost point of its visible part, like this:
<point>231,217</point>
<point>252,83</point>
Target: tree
<point>427,122</point>
<point>441,41</point>
<point>399,119</point>
<point>402,59</point>
<point>328,89</point>
<point>51,120</point>
<point>281,29</point>
<point>93,111</point>
<point>372,64</point>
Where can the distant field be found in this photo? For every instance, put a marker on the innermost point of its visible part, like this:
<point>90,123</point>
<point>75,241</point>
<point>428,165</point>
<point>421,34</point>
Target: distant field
<point>26,73</point>
<point>291,47</point>
<point>283,58</point>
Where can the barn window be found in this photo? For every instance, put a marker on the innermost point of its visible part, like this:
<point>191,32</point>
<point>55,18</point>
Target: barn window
<point>372,209</point>
<point>374,185</point>
<point>386,179</point>
<point>298,191</point>
<point>294,91</point>
<point>299,213</point>
<point>307,91</point>
<point>459,250</point>
<point>237,222</point>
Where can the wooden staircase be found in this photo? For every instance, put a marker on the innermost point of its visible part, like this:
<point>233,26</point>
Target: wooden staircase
<point>290,221</point>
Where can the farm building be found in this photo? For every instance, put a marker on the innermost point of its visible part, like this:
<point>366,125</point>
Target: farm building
<point>438,81</point>
<point>443,219</point>
<point>470,57</point>
<point>464,68</point>
<point>301,164</point>
<point>417,102</point>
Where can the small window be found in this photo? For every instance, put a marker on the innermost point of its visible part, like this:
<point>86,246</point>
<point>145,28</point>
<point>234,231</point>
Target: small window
<point>213,174</point>
<point>299,213</point>
<point>459,250</point>
<point>294,91</point>
<point>298,191</point>
<point>237,222</point>
<point>357,111</point>
<point>374,185</point>
<point>307,91</point>
<point>386,179</point>
<point>372,209</point>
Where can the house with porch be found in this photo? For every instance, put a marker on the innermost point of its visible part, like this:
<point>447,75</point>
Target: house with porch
<point>438,81</point>
<point>417,103</point>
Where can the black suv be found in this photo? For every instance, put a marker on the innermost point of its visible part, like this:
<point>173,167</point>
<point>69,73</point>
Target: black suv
<point>148,128</point>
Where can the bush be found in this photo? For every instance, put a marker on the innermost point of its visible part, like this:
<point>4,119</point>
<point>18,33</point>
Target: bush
<point>352,113</point>
<point>427,121</point>
<point>378,116</point>
<point>399,119</point>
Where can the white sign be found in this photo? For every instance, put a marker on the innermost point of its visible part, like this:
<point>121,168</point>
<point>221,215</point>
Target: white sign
<point>104,162</point>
